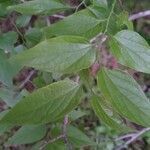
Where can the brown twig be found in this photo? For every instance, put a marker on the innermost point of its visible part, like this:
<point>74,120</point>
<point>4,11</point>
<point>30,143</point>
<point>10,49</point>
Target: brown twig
<point>64,130</point>
<point>27,79</point>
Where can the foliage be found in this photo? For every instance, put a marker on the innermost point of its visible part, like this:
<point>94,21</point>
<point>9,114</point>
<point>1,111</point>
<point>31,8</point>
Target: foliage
<point>71,80</point>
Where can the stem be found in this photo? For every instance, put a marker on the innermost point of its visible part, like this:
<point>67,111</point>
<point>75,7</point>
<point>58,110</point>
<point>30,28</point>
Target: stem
<point>48,21</point>
<point>111,12</point>
<point>64,130</point>
<point>51,141</point>
<point>27,79</point>
<point>21,35</point>
<point>82,3</point>
<point>132,137</point>
<point>124,137</point>
<point>61,136</point>
<point>140,15</point>
<point>59,16</point>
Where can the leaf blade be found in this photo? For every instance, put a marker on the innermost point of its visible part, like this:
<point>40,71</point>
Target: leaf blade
<point>125,95</point>
<point>65,54</point>
<point>47,104</point>
<point>83,23</point>
<point>131,50</point>
<point>27,134</point>
<point>100,112</point>
<point>39,7</point>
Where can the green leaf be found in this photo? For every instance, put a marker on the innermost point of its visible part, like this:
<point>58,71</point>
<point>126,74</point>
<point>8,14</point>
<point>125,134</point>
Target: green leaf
<point>47,104</point>
<point>65,54</point>
<point>18,49</point>
<point>83,23</point>
<point>101,113</point>
<point>7,96</point>
<point>86,79</point>
<point>4,127</point>
<point>7,41</point>
<point>75,136</point>
<point>27,134</point>
<point>3,7</point>
<point>100,3</point>
<point>6,70</point>
<point>125,95</point>
<point>58,145</point>
<point>123,20</point>
<point>10,97</point>
<point>39,82</point>
<point>33,36</point>
<point>78,138</point>
<point>100,13</point>
<point>76,114</point>
<point>131,50</point>
<point>23,20</point>
<point>35,7</point>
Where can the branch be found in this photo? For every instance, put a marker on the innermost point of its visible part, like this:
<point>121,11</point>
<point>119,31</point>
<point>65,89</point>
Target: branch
<point>140,15</point>
<point>64,130</point>
<point>132,137</point>
<point>59,16</point>
<point>51,141</point>
<point>48,21</point>
<point>27,79</point>
<point>21,35</point>
<point>125,136</point>
<point>82,3</point>
<point>62,136</point>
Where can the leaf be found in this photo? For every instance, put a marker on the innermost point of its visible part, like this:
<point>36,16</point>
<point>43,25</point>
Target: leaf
<point>78,138</point>
<point>6,70</point>
<point>3,5</point>
<point>86,79</point>
<point>131,50</point>
<point>65,54</point>
<point>100,3</point>
<point>123,20</point>
<point>27,134</point>
<point>18,49</point>
<point>47,104</point>
<point>58,145</point>
<point>4,127</point>
<point>83,23</point>
<point>23,20</point>
<point>100,112</point>
<point>7,41</point>
<point>75,136</point>
<point>35,7</point>
<point>9,96</point>
<point>39,82</point>
<point>6,95</point>
<point>125,95</point>
<point>33,36</point>
<point>99,12</point>
<point>76,114</point>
